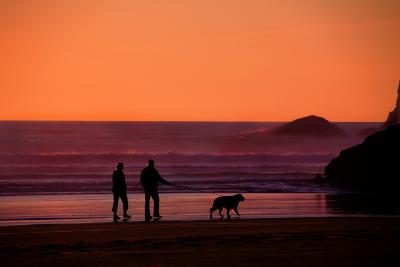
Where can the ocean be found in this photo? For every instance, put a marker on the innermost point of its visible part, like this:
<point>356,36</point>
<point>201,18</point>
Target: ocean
<point>46,161</point>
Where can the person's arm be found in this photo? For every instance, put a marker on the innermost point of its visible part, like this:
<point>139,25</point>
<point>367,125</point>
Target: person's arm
<point>162,180</point>
<point>141,178</point>
<point>114,186</point>
<point>124,182</point>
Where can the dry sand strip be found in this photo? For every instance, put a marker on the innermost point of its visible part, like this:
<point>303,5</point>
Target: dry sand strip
<point>354,241</point>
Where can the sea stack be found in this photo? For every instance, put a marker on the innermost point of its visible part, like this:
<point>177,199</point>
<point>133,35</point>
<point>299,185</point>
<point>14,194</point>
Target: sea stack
<point>310,126</point>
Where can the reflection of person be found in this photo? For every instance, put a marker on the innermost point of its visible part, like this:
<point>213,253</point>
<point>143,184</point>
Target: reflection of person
<point>119,190</point>
<point>150,179</point>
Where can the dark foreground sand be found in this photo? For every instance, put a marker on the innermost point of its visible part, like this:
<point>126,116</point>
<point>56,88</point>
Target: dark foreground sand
<point>263,242</point>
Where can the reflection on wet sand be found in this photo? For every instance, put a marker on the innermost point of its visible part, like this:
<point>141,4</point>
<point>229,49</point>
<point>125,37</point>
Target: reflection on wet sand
<point>363,204</point>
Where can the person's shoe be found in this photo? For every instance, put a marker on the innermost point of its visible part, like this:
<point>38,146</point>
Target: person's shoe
<point>126,216</point>
<point>116,217</point>
<point>147,218</point>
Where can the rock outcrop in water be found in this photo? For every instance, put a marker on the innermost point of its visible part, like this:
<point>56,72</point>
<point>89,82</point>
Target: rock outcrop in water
<point>371,167</point>
<point>310,126</point>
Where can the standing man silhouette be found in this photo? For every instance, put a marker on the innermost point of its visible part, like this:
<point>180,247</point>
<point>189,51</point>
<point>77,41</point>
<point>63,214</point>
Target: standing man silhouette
<point>119,191</point>
<point>150,179</point>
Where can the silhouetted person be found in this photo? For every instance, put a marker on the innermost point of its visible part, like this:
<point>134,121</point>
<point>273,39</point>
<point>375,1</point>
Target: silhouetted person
<point>150,179</point>
<point>119,190</point>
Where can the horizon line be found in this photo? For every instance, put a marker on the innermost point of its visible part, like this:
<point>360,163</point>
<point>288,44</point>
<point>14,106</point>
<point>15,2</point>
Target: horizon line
<point>175,121</point>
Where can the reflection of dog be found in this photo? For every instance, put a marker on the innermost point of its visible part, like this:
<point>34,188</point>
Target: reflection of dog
<point>228,202</point>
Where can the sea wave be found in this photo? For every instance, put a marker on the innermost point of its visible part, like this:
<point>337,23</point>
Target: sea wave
<point>162,158</point>
<point>88,172</point>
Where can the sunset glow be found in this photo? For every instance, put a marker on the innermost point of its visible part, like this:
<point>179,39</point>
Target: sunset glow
<point>198,60</point>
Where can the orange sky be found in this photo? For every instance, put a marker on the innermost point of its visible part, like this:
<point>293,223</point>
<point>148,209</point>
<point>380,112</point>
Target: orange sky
<point>202,60</point>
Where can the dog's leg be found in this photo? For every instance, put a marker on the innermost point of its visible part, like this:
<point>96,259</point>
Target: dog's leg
<point>227,213</point>
<point>212,211</point>
<point>220,214</point>
<point>237,212</point>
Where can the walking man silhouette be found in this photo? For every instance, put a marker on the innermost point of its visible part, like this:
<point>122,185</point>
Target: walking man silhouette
<point>119,191</point>
<point>150,179</point>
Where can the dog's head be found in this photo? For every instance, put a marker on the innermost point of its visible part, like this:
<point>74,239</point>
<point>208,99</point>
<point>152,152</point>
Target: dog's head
<point>239,197</point>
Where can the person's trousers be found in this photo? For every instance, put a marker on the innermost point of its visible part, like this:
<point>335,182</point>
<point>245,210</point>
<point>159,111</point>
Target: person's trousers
<point>124,199</point>
<point>154,195</point>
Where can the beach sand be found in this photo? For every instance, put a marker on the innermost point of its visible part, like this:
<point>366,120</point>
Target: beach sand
<point>339,241</point>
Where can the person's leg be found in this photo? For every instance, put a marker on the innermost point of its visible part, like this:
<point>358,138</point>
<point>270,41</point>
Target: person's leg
<point>124,199</point>
<point>147,205</point>
<point>115,205</point>
<point>156,199</point>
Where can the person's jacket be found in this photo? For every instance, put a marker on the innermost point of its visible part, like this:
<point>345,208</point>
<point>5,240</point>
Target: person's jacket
<point>119,183</point>
<point>150,178</point>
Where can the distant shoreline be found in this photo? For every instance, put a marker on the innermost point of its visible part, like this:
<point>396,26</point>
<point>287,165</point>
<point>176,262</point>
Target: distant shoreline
<point>150,121</point>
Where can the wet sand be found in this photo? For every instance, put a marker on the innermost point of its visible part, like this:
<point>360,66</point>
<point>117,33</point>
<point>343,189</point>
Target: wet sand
<point>339,241</point>
<point>96,208</point>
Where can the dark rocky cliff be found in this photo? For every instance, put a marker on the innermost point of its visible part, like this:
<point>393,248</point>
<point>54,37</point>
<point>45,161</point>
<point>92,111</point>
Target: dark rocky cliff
<point>394,116</point>
<point>371,167</point>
